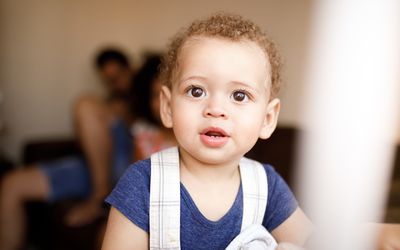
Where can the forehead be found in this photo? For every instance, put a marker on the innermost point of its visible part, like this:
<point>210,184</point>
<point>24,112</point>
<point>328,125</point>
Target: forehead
<point>239,60</point>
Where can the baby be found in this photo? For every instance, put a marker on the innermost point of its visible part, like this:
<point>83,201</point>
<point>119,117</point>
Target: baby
<point>220,84</point>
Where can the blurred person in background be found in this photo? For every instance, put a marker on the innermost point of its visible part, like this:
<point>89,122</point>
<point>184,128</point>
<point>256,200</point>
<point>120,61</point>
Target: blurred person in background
<point>102,128</point>
<point>149,133</point>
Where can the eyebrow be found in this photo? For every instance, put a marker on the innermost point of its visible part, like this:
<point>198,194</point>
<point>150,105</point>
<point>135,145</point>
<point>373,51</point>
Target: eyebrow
<point>192,78</point>
<point>244,84</point>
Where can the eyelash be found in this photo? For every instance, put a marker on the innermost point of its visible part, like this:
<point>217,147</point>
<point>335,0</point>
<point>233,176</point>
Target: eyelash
<point>245,92</point>
<point>191,87</point>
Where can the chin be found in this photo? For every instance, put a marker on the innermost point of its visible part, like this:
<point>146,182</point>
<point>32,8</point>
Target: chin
<point>215,156</point>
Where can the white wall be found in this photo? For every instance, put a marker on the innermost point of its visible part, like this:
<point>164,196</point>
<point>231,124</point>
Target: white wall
<point>47,47</point>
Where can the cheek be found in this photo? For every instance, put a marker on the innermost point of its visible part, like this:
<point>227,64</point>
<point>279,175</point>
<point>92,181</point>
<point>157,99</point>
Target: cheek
<point>183,116</point>
<point>248,132</point>
<point>249,122</point>
<point>184,128</point>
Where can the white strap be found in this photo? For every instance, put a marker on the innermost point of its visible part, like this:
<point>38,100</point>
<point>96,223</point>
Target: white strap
<point>165,200</point>
<point>255,192</point>
<point>165,197</point>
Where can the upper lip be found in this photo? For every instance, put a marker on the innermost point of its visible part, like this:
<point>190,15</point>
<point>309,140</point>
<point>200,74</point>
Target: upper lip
<point>214,130</point>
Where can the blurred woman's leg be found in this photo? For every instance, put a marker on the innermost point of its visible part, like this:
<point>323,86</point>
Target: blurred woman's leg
<point>18,187</point>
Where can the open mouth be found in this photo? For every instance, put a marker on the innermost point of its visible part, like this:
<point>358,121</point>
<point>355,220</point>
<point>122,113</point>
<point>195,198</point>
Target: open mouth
<point>214,137</point>
<point>214,132</point>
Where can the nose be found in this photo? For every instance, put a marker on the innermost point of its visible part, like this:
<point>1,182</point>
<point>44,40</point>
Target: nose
<point>215,108</point>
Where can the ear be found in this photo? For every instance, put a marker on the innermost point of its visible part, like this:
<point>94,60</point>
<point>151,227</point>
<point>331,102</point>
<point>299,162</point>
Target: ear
<point>271,118</point>
<point>165,107</point>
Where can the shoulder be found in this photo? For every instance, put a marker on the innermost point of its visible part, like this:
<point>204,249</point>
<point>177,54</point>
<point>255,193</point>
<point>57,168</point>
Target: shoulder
<point>135,178</point>
<point>269,169</point>
<point>131,195</point>
<point>89,99</point>
<point>90,104</point>
<point>139,171</point>
<point>272,175</point>
<point>281,202</point>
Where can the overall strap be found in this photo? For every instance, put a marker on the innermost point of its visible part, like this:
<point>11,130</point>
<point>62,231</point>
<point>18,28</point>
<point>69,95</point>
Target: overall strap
<point>164,209</point>
<point>255,192</point>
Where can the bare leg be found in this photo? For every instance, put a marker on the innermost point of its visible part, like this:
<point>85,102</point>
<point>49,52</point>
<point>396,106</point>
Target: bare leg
<point>16,188</point>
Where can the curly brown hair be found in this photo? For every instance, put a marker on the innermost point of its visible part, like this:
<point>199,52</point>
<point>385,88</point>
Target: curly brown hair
<point>227,26</point>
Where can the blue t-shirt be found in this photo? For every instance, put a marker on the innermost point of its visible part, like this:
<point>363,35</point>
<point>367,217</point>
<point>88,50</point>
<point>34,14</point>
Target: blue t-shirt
<point>131,197</point>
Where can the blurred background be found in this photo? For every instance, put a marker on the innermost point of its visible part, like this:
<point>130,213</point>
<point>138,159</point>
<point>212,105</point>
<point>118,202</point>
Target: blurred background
<point>47,49</point>
<point>46,61</point>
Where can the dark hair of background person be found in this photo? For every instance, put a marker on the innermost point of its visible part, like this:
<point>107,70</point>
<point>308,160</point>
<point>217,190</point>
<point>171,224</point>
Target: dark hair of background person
<point>142,88</point>
<point>111,54</point>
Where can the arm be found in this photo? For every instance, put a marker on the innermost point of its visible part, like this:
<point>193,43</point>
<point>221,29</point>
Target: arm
<point>92,123</point>
<point>122,234</point>
<point>296,229</point>
<point>287,222</point>
<point>388,235</point>
<point>92,120</point>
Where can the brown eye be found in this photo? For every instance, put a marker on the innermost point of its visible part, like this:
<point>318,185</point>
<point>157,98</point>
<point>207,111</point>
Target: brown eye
<point>239,96</point>
<point>196,92</point>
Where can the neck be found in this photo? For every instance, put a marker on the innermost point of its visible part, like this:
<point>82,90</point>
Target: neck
<point>208,172</point>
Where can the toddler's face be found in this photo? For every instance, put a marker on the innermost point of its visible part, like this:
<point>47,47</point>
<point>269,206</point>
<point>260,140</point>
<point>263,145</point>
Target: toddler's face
<point>219,103</point>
